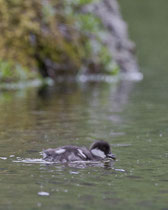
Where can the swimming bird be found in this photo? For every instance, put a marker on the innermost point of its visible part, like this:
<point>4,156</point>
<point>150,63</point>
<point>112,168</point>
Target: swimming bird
<point>99,150</point>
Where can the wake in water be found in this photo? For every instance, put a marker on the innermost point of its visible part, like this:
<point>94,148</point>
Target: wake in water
<point>76,164</point>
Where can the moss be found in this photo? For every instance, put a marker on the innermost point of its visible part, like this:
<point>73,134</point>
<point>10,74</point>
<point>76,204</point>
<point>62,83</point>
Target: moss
<point>52,36</point>
<point>12,72</point>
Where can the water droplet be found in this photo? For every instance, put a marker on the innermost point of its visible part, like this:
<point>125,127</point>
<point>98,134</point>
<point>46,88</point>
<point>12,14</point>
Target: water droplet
<point>65,190</point>
<point>74,172</point>
<point>43,193</point>
<point>12,156</point>
<point>121,170</point>
<point>3,158</point>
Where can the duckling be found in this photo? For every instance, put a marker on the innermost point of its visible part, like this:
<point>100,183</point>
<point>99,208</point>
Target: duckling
<point>99,150</point>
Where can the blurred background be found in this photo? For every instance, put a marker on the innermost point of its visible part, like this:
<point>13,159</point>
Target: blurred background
<point>147,22</point>
<point>63,38</point>
<point>70,73</point>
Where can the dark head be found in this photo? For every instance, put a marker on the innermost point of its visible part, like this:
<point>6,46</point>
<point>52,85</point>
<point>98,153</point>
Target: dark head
<point>102,150</point>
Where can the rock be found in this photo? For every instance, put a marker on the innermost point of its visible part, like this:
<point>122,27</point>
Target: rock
<point>116,37</point>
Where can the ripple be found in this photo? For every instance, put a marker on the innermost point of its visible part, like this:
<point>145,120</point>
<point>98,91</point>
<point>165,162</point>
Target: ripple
<point>75,164</point>
<point>29,160</point>
<point>43,193</point>
<point>121,170</point>
<point>3,158</point>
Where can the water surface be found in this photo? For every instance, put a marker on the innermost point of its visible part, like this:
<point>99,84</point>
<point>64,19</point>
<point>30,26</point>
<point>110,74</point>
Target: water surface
<point>122,114</point>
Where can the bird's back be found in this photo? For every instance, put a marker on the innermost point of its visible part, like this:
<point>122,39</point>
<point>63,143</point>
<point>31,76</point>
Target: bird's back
<point>67,154</point>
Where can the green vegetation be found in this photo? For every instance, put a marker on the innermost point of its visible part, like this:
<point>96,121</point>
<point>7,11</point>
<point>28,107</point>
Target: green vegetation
<point>9,71</point>
<point>54,37</point>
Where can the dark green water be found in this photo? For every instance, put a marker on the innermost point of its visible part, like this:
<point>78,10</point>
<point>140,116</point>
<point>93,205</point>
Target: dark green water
<point>132,117</point>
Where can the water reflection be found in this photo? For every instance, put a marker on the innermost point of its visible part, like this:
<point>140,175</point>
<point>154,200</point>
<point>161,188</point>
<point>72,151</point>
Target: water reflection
<point>116,93</point>
<point>70,113</point>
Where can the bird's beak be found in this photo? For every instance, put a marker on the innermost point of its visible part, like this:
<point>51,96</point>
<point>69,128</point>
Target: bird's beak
<point>112,156</point>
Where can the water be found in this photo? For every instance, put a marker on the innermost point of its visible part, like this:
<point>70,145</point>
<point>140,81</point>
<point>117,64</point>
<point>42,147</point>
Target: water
<point>125,115</point>
<point>132,117</point>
